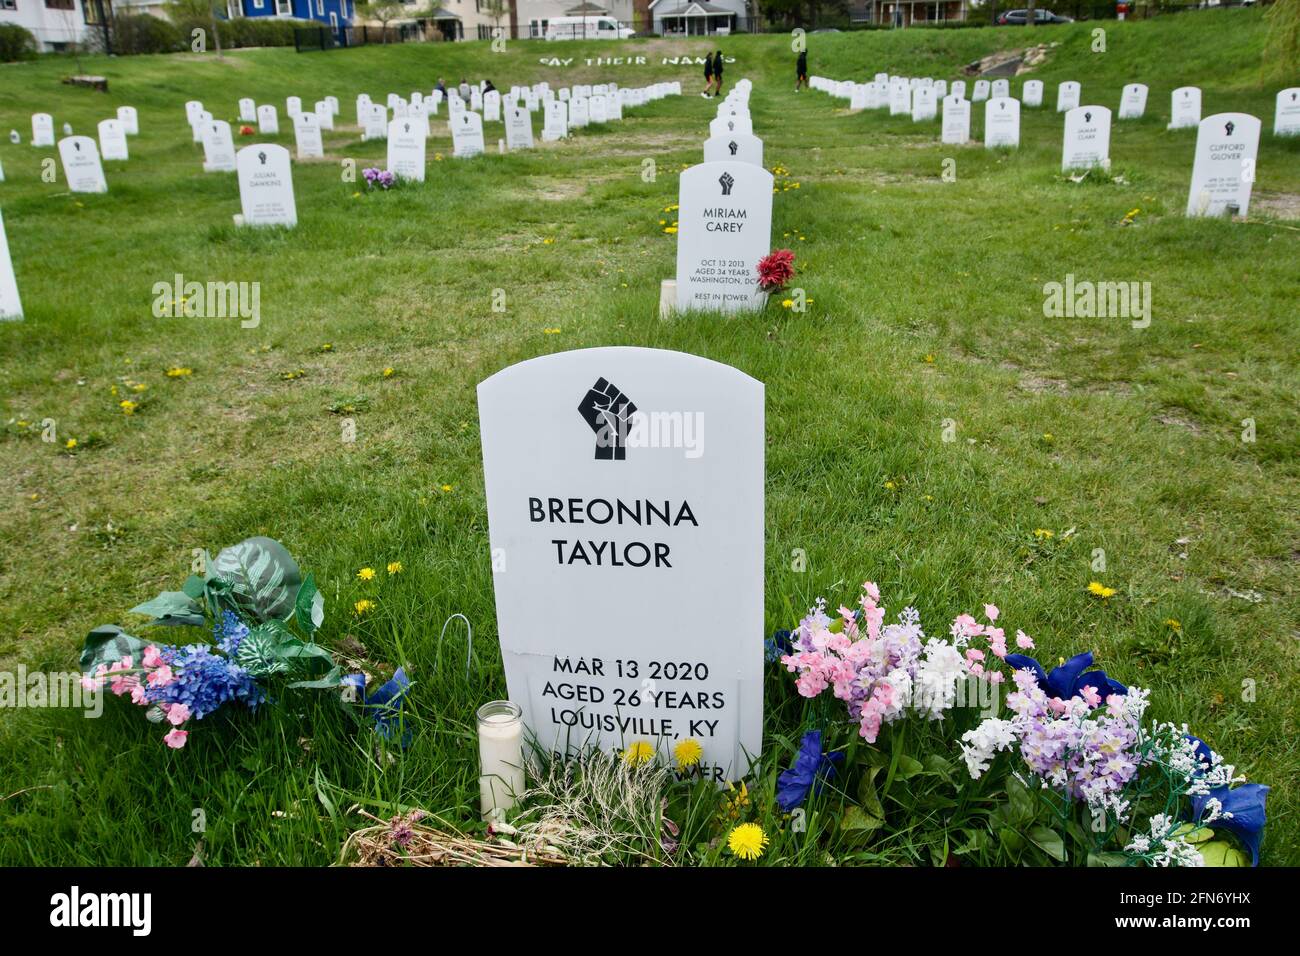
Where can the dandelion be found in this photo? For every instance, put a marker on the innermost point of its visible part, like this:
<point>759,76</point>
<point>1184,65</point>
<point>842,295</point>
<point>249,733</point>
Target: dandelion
<point>736,803</point>
<point>787,303</point>
<point>388,372</point>
<point>128,407</point>
<point>688,753</point>
<point>638,753</point>
<point>1043,533</point>
<point>891,485</point>
<point>179,371</point>
<point>394,567</point>
<point>1048,436</point>
<point>364,606</point>
<point>448,488</point>
<point>1097,589</point>
<point>70,444</point>
<point>366,574</point>
<point>747,841</point>
<point>1174,624</point>
<point>929,359</point>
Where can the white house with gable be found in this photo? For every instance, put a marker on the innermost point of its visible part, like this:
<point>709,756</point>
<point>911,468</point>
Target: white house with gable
<point>56,24</point>
<point>697,17</point>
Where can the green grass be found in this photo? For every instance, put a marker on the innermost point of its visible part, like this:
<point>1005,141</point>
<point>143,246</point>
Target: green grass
<point>927,307</point>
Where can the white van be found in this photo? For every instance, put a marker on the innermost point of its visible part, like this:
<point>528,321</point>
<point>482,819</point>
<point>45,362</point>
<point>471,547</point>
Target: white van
<point>586,28</point>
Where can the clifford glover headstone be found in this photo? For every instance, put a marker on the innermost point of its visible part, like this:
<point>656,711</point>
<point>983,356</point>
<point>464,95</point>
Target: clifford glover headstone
<point>1224,169</point>
<point>625,511</point>
<point>724,228</point>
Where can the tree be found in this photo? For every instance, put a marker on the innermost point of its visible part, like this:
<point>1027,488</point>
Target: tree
<point>185,13</point>
<point>385,11</point>
<point>1029,14</point>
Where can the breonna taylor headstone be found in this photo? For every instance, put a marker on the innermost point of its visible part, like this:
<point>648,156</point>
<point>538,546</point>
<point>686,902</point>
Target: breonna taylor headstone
<point>724,228</point>
<point>266,186</point>
<point>627,550</point>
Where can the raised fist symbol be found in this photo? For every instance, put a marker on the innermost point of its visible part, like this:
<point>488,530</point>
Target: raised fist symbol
<point>726,181</point>
<point>733,146</point>
<point>608,412</point>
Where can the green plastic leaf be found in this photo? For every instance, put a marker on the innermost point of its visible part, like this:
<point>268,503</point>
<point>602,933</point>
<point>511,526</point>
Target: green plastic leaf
<point>172,608</point>
<point>261,577</point>
<point>331,679</point>
<point>1222,853</point>
<point>1109,859</point>
<point>309,606</point>
<point>193,587</point>
<point>258,653</point>
<point>867,794</point>
<point>858,821</point>
<point>108,644</point>
<point>1194,833</point>
<point>1049,841</point>
<point>908,767</point>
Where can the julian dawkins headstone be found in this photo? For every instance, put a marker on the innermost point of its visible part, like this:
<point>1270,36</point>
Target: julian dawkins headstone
<point>625,512</point>
<point>266,186</point>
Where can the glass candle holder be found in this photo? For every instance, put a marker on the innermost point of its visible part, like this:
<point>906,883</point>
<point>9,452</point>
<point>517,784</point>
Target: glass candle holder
<point>501,758</point>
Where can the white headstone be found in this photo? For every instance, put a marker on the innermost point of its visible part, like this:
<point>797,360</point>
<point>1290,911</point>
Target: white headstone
<point>1133,101</point>
<point>1286,119</point>
<point>745,147</point>
<point>1087,138</point>
<point>306,135</point>
<point>376,124</point>
<point>956,120</point>
<point>579,112</point>
<point>218,148</point>
<point>900,98</point>
<point>130,120</point>
<point>81,166</point>
<point>724,228</point>
<point>628,575</point>
<point>292,106</point>
<point>197,123</point>
<point>466,134</point>
<point>556,124</point>
<point>1067,96</point>
<point>923,104</point>
<point>491,107</point>
<point>940,90</point>
<point>519,128</point>
<point>266,186</point>
<point>1031,94</point>
<point>958,88</point>
<point>11,307</point>
<point>1002,122</point>
<point>1000,87</point>
<point>247,110</point>
<point>981,92</point>
<point>597,109</point>
<point>193,110</point>
<point>1224,169</point>
<point>324,115</point>
<point>1185,107</point>
<point>112,140</point>
<point>266,120</point>
<point>363,108</point>
<point>333,103</point>
<point>42,129</point>
<point>406,146</point>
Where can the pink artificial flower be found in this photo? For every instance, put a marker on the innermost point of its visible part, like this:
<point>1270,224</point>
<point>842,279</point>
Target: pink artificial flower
<point>965,625</point>
<point>176,738</point>
<point>177,714</point>
<point>1024,641</point>
<point>974,654</point>
<point>1089,694</point>
<point>991,611</point>
<point>1057,705</point>
<point>127,682</point>
<point>137,694</point>
<point>995,677</point>
<point>151,657</point>
<point>161,676</point>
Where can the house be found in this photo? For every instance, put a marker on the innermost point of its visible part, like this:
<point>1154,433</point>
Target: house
<point>904,13</point>
<point>697,17</point>
<point>453,19</point>
<point>57,24</point>
<point>536,15</point>
<point>335,13</point>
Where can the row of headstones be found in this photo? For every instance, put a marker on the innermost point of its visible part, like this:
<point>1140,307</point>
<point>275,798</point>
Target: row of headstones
<point>724,217</point>
<point>1227,144</point>
<point>112,145</point>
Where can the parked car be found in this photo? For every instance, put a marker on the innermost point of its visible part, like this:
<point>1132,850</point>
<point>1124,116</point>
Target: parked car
<point>586,28</point>
<point>1021,17</point>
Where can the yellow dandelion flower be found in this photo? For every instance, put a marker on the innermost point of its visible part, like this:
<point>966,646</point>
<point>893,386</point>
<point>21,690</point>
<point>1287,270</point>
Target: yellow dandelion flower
<point>551,331</point>
<point>548,242</point>
<point>179,371</point>
<point>366,574</point>
<point>394,567</point>
<point>70,443</point>
<point>891,485</point>
<point>688,753</point>
<point>747,841</point>
<point>127,406</point>
<point>363,606</point>
<point>929,359</point>
<point>388,372</point>
<point>448,488</point>
<point>787,303</point>
<point>1174,624</point>
<point>1042,533</point>
<point>671,230</point>
<point>1048,436</point>
<point>1097,589</point>
<point>638,753</point>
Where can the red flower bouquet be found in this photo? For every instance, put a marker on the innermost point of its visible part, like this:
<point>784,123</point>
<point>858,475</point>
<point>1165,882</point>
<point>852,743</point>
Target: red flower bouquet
<point>775,269</point>
<point>245,131</point>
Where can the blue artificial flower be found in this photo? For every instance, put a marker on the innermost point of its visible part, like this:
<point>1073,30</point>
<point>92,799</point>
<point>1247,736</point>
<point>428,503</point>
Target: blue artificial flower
<point>776,646</point>
<point>385,705</point>
<point>203,681</point>
<point>1246,804</point>
<point>1068,680</point>
<point>811,768</point>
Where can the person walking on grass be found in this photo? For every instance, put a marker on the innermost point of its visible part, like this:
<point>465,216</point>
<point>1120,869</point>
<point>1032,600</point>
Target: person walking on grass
<point>717,74</point>
<point>801,70</point>
<point>708,75</point>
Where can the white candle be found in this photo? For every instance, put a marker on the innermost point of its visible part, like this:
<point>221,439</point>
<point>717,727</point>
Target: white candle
<point>501,757</point>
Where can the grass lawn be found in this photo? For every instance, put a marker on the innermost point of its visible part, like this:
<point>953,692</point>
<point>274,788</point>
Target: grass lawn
<point>927,308</point>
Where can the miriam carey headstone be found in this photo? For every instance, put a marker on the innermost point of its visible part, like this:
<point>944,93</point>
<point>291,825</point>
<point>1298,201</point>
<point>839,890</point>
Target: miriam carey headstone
<point>1087,138</point>
<point>724,228</point>
<point>11,307</point>
<point>129,119</point>
<point>1067,96</point>
<point>519,128</point>
<point>1224,169</point>
<point>406,148</point>
<point>1133,101</point>
<point>1002,123</point>
<point>267,122</point>
<point>1286,119</point>
<point>1185,107</point>
<point>625,513</point>
<point>745,147</point>
<point>1031,94</point>
<point>306,134</point>
<point>466,134</point>
<point>266,186</point>
<point>218,148</point>
<point>81,166</point>
<point>956,120</point>
<point>42,129</point>
<point>112,140</point>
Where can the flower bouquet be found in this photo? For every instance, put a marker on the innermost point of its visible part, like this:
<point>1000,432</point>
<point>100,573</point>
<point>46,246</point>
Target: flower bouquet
<point>376,177</point>
<point>263,616</point>
<point>775,270</point>
<point>1065,769</point>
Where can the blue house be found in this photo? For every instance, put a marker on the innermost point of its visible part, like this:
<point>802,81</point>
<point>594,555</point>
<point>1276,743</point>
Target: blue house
<point>336,14</point>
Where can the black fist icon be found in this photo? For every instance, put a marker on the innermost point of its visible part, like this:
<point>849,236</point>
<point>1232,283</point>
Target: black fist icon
<point>608,412</point>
